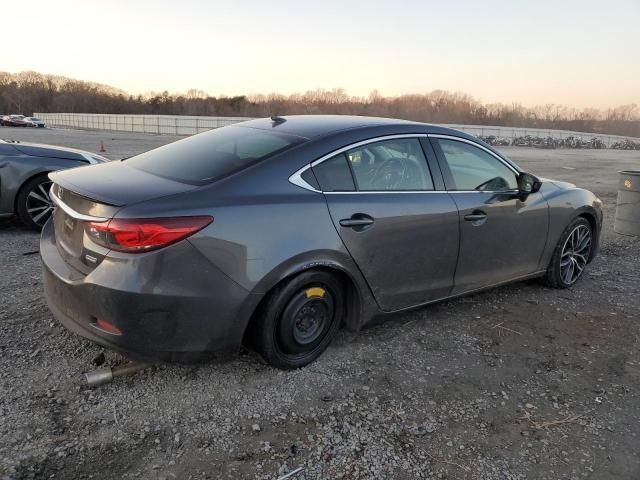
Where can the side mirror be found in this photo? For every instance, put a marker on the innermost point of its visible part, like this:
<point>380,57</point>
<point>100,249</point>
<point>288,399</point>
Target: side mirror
<point>528,184</point>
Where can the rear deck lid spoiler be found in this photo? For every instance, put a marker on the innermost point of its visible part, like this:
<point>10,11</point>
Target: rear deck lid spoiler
<point>116,184</point>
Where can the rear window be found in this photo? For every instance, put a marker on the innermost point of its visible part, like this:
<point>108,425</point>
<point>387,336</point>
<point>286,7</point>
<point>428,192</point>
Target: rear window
<point>212,155</point>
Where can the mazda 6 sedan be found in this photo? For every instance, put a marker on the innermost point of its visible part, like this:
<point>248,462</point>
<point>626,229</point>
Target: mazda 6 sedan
<point>276,232</point>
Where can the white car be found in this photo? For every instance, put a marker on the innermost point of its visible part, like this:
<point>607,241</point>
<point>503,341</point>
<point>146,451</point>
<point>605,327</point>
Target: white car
<point>34,122</point>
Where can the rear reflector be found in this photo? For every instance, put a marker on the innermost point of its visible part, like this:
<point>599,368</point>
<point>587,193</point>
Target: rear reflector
<point>108,327</point>
<point>144,234</point>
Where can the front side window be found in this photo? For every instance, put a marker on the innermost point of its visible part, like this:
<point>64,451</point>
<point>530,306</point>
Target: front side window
<point>474,169</point>
<point>390,165</point>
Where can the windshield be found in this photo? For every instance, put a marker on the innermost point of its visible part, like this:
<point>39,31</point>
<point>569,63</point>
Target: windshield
<point>214,154</point>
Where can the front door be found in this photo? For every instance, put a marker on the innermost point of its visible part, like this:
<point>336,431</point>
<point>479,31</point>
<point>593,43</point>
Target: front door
<point>401,231</point>
<point>502,234</point>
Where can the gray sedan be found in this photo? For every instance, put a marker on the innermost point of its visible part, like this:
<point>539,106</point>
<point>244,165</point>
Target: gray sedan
<point>275,232</point>
<point>24,184</point>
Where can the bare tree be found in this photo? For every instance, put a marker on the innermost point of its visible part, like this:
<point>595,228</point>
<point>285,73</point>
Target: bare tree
<point>28,92</point>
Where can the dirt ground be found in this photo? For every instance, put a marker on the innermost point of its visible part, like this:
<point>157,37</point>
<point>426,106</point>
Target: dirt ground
<point>521,382</point>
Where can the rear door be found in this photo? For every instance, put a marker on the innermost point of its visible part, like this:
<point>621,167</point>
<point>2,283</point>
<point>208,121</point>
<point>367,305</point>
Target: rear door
<point>393,215</point>
<point>502,235</point>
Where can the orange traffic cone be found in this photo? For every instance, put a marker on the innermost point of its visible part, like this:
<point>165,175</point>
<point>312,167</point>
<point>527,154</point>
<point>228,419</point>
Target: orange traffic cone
<point>102,147</point>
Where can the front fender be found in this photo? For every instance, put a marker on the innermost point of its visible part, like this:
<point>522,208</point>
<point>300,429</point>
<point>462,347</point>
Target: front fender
<point>15,171</point>
<point>566,204</point>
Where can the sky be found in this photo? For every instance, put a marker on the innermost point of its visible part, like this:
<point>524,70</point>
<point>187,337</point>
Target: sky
<point>578,53</point>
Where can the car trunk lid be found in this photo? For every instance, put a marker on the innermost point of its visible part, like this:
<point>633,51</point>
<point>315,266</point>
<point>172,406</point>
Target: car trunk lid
<point>96,194</point>
<point>115,183</point>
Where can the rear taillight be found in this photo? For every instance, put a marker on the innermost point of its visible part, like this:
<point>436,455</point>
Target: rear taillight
<point>136,235</point>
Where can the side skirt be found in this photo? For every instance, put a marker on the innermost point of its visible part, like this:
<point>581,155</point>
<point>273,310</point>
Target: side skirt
<point>537,274</point>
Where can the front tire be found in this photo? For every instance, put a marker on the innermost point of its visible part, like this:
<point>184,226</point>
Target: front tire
<point>571,254</point>
<point>299,319</point>
<point>33,204</point>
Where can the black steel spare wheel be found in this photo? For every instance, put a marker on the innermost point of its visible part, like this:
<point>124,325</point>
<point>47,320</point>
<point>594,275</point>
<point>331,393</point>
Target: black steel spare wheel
<point>298,319</point>
<point>306,319</point>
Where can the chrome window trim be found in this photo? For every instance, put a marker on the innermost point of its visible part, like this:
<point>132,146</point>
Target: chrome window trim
<point>366,142</point>
<point>511,190</point>
<point>71,212</point>
<point>296,177</point>
<point>385,191</point>
<point>474,144</point>
<point>419,191</point>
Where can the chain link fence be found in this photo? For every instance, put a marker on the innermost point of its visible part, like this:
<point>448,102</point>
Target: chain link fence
<point>190,125</point>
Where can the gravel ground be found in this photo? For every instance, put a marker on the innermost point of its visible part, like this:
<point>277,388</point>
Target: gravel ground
<point>521,382</point>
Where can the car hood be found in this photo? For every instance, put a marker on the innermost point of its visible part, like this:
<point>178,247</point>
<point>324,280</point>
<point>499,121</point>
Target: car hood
<point>53,151</point>
<point>558,183</point>
<point>115,183</point>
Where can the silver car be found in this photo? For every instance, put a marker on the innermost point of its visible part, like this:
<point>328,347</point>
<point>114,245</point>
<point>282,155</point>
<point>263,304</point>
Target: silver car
<point>24,184</point>
<point>34,122</point>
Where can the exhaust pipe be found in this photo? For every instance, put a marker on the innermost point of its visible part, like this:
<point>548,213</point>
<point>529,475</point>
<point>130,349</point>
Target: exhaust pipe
<point>102,376</point>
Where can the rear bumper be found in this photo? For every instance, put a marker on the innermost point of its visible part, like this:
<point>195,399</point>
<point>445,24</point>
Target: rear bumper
<point>170,305</point>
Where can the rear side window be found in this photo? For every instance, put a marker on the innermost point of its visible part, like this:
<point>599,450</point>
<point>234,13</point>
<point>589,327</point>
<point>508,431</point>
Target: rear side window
<point>334,175</point>
<point>212,155</point>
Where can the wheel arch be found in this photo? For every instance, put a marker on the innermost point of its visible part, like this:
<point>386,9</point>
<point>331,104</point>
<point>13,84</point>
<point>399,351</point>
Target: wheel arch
<point>590,215</point>
<point>359,299</point>
<point>24,182</point>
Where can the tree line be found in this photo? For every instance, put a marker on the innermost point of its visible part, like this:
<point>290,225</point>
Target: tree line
<point>28,92</point>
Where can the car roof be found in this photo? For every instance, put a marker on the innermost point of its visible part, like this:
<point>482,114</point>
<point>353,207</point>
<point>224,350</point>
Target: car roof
<point>313,126</point>
<point>316,126</point>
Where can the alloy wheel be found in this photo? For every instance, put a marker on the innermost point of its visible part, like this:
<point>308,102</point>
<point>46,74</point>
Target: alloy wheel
<point>575,254</point>
<point>39,205</point>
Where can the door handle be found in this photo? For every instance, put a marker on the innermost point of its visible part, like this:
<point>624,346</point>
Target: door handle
<point>357,220</point>
<point>478,216</point>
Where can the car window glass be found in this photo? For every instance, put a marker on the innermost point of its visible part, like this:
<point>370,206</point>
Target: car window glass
<point>253,146</point>
<point>394,165</point>
<point>333,175</point>
<point>214,154</point>
<point>474,169</point>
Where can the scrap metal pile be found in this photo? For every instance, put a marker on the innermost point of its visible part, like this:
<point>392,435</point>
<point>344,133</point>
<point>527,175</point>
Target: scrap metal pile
<point>550,142</point>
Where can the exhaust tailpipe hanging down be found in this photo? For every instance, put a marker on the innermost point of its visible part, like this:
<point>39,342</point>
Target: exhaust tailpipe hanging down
<point>102,376</point>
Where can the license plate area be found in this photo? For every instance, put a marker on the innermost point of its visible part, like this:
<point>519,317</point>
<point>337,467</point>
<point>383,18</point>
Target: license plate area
<point>69,232</point>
